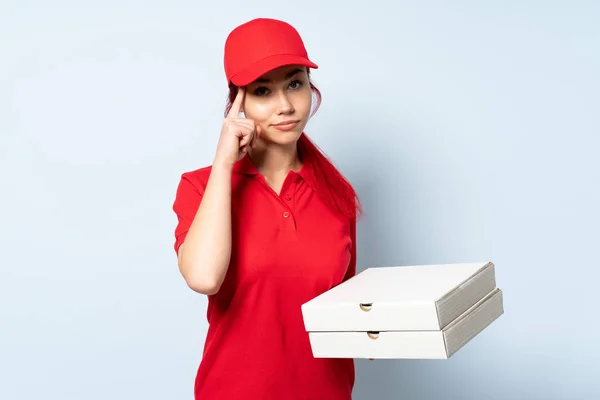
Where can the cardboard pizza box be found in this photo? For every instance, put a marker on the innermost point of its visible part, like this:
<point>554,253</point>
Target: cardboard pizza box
<point>426,311</point>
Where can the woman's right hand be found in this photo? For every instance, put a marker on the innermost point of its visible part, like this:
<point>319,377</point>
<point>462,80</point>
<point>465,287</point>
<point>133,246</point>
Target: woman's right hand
<point>237,134</point>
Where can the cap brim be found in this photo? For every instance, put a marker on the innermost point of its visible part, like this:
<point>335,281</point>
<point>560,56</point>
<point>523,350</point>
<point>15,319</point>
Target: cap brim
<point>263,66</point>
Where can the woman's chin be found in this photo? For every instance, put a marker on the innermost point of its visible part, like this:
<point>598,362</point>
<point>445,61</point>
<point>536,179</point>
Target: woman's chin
<point>282,137</point>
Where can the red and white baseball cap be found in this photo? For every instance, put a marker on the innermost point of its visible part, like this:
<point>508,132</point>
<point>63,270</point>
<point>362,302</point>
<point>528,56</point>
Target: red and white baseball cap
<point>261,45</point>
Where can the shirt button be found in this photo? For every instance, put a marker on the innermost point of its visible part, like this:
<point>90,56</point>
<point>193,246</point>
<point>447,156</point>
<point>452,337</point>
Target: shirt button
<point>288,196</point>
<point>286,214</point>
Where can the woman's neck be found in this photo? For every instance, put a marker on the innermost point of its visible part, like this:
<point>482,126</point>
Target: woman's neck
<point>273,160</point>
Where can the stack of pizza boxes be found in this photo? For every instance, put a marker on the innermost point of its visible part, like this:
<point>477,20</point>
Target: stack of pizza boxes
<point>404,312</point>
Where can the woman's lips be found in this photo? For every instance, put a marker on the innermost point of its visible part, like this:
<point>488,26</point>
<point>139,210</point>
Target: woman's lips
<point>286,125</point>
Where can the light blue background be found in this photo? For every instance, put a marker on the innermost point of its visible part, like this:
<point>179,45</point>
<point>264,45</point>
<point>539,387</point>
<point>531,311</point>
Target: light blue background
<point>470,129</point>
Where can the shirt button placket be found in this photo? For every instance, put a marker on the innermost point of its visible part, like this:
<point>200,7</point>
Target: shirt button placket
<point>288,222</point>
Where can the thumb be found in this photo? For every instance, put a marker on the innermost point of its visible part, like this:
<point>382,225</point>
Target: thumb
<point>257,133</point>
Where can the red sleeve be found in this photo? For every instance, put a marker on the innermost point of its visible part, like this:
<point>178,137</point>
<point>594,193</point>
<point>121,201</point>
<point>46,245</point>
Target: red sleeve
<point>352,266</point>
<point>187,200</point>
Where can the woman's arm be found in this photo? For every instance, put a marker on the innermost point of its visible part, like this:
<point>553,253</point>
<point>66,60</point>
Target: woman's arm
<point>204,256</point>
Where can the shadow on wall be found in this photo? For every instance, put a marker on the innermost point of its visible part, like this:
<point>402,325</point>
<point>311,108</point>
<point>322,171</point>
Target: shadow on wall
<point>371,171</point>
<point>380,173</point>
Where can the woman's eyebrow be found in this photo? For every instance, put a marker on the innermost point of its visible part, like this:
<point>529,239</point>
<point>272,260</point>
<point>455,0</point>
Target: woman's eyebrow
<point>287,76</point>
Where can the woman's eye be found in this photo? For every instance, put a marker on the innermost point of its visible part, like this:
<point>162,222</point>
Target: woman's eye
<point>295,84</point>
<point>261,91</point>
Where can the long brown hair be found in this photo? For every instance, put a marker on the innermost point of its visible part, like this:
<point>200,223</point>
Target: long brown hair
<point>331,184</point>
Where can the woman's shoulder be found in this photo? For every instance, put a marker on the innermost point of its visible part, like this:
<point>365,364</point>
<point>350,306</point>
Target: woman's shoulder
<point>199,177</point>
<point>200,174</point>
<point>195,179</point>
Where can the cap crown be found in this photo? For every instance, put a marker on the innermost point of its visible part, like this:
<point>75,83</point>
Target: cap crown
<point>257,40</point>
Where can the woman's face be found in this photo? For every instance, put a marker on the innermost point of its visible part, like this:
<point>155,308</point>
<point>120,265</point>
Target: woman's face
<point>280,103</point>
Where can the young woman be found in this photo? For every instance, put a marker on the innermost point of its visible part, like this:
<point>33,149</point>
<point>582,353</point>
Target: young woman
<point>268,226</point>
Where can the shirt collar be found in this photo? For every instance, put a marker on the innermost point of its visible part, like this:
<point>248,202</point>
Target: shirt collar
<point>246,166</point>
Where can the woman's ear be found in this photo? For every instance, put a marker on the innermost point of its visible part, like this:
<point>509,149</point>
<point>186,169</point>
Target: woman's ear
<point>313,101</point>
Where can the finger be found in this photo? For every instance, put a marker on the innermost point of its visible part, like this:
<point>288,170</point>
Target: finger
<point>244,132</point>
<point>236,107</point>
<point>246,139</point>
<point>243,123</point>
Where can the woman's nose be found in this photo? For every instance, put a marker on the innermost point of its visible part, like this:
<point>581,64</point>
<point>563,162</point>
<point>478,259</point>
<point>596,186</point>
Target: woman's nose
<point>285,106</point>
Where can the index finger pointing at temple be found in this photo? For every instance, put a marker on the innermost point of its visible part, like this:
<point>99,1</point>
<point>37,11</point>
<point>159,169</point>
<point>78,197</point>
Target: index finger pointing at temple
<point>236,107</point>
